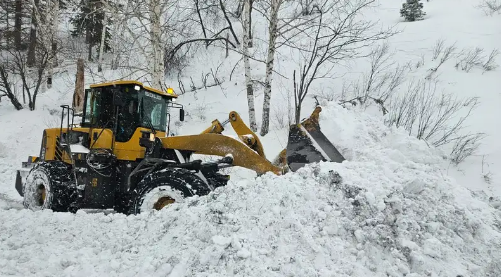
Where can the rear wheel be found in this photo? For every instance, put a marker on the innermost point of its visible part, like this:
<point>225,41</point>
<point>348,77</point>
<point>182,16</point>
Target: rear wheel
<point>49,185</point>
<point>164,187</point>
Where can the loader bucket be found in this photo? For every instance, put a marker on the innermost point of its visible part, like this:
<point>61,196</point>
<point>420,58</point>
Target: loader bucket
<point>22,173</point>
<point>307,144</point>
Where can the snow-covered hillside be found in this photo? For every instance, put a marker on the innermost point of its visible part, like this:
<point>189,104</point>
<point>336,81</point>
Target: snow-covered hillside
<point>390,211</point>
<point>396,207</point>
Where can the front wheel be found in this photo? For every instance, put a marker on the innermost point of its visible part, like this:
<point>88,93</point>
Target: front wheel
<point>164,187</point>
<point>49,185</point>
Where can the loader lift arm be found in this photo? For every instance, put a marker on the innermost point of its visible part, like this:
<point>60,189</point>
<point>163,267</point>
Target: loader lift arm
<point>306,144</point>
<point>221,145</point>
<point>245,134</point>
<point>247,153</point>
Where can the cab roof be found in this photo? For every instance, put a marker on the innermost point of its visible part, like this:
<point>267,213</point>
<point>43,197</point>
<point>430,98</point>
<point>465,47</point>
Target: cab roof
<point>168,93</point>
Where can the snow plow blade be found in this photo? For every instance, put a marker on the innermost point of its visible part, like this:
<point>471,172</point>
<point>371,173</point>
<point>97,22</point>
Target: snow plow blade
<point>307,144</point>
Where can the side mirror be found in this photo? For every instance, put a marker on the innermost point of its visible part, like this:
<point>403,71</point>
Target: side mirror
<point>181,115</point>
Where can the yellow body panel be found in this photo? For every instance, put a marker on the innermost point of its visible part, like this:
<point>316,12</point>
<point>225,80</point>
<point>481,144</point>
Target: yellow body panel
<point>129,150</point>
<point>50,146</point>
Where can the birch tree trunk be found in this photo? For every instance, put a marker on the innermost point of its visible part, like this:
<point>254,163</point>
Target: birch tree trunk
<point>270,59</point>
<point>248,80</point>
<point>249,30</point>
<point>157,59</point>
<point>101,47</point>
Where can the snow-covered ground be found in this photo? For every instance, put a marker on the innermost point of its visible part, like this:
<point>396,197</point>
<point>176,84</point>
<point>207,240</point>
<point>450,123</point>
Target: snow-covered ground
<point>390,211</point>
<point>397,209</point>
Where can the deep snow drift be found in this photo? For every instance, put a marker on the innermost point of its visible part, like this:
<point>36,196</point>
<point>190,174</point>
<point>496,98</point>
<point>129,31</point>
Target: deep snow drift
<point>387,211</point>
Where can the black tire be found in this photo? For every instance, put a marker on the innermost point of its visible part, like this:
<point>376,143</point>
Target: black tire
<point>58,184</point>
<point>173,183</point>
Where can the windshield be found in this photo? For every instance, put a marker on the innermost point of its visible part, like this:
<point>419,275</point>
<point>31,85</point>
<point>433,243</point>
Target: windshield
<point>96,112</point>
<point>135,107</point>
<point>153,110</point>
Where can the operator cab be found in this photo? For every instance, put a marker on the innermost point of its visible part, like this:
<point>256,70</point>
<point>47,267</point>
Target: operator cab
<point>126,106</point>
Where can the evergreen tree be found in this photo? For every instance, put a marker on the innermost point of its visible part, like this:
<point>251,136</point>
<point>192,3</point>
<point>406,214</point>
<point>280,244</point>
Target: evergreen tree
<point>89,22</point>
<point>412,10</point>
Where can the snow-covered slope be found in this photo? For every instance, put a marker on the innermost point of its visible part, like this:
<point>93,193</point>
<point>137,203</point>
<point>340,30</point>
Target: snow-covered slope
<point>390,211</point>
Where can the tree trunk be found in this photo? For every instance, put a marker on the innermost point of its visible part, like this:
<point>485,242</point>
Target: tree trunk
<point>4,81</point>
<point>51,44</point>
<point>249,29</point>
<point>31,58</point>
<point>272,38</point>
<point>55,28</point>
<point>157,57</point>
<point>248,79</point>
<point>103,41</point>
<point>88,40</point>
<point>15,102</point>
<point>39,83</point>
<point>89,52</point>
<point>197,6</point>
<point>78,94</point>
<point>18,24</point>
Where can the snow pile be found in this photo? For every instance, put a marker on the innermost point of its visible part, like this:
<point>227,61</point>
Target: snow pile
<point>20,137</point>
<point>388,211</point>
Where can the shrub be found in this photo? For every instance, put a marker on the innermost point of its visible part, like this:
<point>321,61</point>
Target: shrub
<point>412,10</point>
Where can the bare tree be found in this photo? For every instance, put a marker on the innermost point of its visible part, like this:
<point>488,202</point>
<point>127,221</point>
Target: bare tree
<point>337,37</point>
<point>157,61</point>
<point>212,33</point>
<point>248,77</point>
<point>6,87</point>
<point>429,116</point>
<point>490,7</point>
<point>290,26</point>
<point>199,14</point>
<point>270,59</point>
<point>46,19</point>
<point>15,68</point>
<point>142,28</point>
<point>223,9</point>
<point>381,81</point>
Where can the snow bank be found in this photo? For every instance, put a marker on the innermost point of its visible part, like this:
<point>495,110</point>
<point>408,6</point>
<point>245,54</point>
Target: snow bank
<point>387,211</point>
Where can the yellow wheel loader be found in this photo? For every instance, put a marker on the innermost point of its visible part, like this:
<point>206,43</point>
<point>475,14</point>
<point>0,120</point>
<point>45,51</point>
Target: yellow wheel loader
<point>120,156</point>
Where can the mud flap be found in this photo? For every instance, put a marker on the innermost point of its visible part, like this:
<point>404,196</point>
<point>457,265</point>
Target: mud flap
<point>307,144</point>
